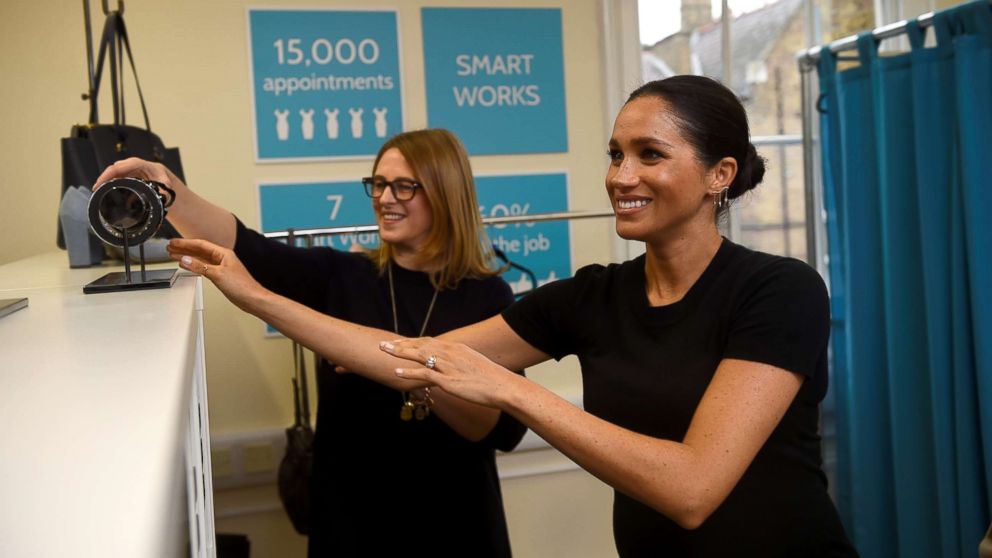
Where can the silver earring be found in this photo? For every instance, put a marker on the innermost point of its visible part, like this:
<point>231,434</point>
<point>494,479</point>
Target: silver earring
<point>721,199</point>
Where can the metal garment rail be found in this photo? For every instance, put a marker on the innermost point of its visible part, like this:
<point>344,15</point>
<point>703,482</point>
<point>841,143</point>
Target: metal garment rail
<point>532,218</point>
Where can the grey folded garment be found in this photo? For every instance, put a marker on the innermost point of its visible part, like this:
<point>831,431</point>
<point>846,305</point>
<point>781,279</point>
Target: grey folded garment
<point>84,248</point>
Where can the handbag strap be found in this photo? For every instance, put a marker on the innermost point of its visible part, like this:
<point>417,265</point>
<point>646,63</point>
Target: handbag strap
<point>304,390</point>
<point>105,42</point>
<point>301,392</point>
<point>115,41</point>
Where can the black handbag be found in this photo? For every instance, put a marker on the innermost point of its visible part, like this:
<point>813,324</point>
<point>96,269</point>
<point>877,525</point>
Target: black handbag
<point>296,468</point>
<point>92,147</point>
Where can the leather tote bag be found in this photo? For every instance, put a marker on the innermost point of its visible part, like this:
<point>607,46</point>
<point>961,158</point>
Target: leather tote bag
<point>92,147</point>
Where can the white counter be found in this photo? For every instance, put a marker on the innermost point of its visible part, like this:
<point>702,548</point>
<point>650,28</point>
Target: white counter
<point>103,418</point>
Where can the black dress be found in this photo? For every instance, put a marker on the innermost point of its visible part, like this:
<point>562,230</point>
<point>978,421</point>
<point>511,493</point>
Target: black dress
<point>383,486</point>
<point>645,368</point>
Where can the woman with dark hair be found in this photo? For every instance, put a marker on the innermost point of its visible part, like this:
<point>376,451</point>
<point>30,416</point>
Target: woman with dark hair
<point>703,362</point>
<point>430,274</point>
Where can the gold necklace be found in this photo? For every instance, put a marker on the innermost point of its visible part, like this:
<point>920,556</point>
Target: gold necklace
<point>410,409</point>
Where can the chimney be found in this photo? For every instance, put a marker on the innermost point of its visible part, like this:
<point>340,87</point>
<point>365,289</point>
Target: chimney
<point>695,14</point>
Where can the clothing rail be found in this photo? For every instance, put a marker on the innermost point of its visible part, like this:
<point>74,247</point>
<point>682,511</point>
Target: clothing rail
<point>532,218</point>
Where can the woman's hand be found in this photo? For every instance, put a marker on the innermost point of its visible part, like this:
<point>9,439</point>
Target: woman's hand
<point>457,369</point>
<point>139,168</point>
<point>220,265</point>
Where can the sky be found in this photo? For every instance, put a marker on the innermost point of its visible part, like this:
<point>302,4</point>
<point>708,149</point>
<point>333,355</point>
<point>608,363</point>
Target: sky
<point>661,18</point>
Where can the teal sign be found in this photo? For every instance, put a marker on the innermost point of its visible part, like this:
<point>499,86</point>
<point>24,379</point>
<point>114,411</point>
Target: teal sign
<point>495,77</point>
<point>544,248</point>
<point>319,205</point>
<point>325,83</point>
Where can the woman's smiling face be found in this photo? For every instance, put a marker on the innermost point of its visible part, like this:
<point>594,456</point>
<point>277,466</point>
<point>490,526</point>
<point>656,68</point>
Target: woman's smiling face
<point>403,224</point>
<point>656,184</point>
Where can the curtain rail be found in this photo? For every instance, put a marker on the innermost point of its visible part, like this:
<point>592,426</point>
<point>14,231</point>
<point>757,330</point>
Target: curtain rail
<point>532,218</point>
<point>808,57</point>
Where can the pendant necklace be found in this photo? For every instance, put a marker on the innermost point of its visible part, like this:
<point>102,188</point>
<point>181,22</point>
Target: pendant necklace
<point>421,408</point>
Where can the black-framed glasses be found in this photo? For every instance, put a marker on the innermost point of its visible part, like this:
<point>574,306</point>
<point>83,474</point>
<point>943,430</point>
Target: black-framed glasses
<point>403,189</point>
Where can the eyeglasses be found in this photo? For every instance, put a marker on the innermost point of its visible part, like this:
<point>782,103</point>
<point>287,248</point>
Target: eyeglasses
<point>403,189</point>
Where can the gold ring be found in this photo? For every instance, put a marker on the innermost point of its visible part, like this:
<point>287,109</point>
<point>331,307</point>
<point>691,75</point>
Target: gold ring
<point>204,272</point>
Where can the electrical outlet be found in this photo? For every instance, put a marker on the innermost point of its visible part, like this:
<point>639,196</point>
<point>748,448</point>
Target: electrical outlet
<point>242,459</point>
<point>257,458</point>
<point>222,462</point>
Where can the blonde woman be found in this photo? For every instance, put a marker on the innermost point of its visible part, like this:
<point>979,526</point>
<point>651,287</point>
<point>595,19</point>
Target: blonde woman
<point>430,274</point>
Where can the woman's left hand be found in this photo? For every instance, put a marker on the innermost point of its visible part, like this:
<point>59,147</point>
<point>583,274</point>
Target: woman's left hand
<point>457,369</point>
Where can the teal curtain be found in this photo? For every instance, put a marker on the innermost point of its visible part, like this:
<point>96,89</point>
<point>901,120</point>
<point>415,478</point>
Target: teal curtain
<point>907,168</point>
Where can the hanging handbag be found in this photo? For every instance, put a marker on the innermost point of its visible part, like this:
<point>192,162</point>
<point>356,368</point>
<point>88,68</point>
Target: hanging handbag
<point>296,468</point>
<point>92,147</point>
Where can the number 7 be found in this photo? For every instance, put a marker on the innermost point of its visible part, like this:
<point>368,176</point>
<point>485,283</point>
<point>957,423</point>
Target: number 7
<point>336,199</point>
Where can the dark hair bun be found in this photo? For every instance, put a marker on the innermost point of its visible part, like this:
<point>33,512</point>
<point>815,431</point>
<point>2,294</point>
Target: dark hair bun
<point>750,174</point>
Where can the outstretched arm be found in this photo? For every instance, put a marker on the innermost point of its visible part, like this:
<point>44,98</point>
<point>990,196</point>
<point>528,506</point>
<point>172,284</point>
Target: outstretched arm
<point>192,215</point>
<point>350,345</point>
<point>685,480</point>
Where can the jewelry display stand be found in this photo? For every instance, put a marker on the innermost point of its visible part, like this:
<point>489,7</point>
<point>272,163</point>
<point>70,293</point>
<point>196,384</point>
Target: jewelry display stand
<point>132,280</point>
<point>123,212</point>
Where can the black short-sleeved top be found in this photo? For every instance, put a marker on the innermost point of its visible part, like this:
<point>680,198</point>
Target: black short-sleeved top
<point>645,368</point>
<point>382,486</point>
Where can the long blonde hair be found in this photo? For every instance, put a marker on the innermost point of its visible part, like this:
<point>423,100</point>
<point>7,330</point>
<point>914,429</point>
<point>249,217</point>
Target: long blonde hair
<point>457,246</point>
